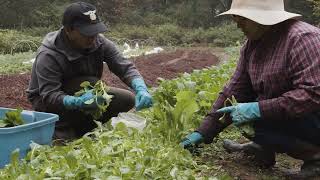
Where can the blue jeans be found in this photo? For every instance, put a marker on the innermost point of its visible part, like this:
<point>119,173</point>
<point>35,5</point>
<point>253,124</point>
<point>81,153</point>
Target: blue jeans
<point>283,136</point>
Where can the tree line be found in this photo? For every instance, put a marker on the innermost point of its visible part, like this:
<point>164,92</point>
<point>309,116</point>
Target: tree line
<point>186,13</point>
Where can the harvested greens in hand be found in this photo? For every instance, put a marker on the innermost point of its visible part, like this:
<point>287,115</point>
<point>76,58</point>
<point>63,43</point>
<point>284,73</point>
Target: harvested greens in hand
<point>101,97</point>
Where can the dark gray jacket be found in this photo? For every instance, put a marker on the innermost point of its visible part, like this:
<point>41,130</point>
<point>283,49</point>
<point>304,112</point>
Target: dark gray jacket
<point>56,63</point>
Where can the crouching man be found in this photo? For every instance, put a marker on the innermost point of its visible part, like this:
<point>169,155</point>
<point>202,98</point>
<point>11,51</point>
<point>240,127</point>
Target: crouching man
<point>71,55</point>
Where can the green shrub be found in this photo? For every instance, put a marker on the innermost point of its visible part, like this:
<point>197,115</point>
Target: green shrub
<point>167,34</point>
<point>133,18</point>
<point>157,19</point>
<point>173,35</point>
<point>12,41</point>
<point>38,31</point>
<point>129,32</point>
<point>223,36</point>
<point>195,36</point>
<point>226,35</point>
<point>316,10</point>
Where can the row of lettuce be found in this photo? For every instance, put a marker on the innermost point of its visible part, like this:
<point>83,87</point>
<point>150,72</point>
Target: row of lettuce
<point>122,153</point>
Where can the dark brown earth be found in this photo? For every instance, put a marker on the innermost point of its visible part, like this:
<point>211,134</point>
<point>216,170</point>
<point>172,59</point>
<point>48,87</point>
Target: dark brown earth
<point>167,65</point>
<point>242,167</point>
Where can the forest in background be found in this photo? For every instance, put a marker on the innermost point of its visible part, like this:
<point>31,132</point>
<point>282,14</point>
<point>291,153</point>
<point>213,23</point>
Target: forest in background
<point>19,14</point>
<point>155,22</point>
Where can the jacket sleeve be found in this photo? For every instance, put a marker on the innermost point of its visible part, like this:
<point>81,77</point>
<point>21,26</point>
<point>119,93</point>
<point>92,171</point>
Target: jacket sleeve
<point>240,87</point>
<point>49,75</point>
<point>118,64</point>
<point>304,71</point>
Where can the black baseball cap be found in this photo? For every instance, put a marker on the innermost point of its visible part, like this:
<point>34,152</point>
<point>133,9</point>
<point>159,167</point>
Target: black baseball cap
<point>83,17</point>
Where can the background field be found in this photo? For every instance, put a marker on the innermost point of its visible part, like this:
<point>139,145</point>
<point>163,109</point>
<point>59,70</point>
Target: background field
<point>199,53</point>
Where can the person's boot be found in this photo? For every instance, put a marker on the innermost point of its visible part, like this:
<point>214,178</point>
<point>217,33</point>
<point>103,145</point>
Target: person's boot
<point>309,170</point>
<point>310,154</point>
<point>264,158</point>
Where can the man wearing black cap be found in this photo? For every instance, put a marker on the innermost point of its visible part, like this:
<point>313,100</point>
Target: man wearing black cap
<point>71,55</point>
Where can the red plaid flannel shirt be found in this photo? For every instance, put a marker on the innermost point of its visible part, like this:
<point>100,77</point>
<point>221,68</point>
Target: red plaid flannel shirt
<point>281,71</point>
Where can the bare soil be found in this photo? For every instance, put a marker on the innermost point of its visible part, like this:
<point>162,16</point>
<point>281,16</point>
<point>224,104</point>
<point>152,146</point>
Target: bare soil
<point>166,65</point>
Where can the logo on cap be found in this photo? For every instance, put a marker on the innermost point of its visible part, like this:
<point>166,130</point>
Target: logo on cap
<point>92,15</point>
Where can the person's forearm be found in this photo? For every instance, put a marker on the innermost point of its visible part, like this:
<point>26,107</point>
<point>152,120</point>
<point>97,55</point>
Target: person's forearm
<point>292,104</point>
<point>211,126</point>
<point>53,99</point>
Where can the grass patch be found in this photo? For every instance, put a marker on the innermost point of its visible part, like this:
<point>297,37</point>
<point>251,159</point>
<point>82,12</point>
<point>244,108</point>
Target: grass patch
<point>12,64</point>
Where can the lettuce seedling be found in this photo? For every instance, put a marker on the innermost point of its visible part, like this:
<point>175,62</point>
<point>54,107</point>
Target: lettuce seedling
<point>101,97</point>
<point>12,118</point>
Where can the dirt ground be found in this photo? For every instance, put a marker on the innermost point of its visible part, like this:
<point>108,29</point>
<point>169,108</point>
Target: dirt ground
<point>166,65</point>
<point>240,166</point>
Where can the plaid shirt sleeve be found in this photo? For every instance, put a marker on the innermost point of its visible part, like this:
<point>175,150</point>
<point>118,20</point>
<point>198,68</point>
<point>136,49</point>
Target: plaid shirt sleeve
<point>304,70</point>
<point>240,87</point>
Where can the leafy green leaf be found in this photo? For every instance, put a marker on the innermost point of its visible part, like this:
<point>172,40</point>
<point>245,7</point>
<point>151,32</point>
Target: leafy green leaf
<point>71,160</point>
<point>2,123</point>
<point>101,97</point>
<point>90,101</point>
<point>12,118</point>
<point>85,84</point>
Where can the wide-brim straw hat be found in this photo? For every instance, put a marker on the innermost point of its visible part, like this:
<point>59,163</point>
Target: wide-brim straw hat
<point>265,12</point>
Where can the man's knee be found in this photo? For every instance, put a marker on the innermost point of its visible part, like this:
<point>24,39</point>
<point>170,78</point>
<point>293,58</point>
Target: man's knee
<point>123,100</point>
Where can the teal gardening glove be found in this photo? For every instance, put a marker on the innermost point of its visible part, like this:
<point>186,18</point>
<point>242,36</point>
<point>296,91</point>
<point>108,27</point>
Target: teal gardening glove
<point>192,139</point>
<point>242,112</point>
<point>143,98</point>
<point>73,102</point>
<point>191,142</point>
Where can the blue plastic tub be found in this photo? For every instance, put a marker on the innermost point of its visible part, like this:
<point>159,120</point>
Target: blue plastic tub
<point>38,128</point>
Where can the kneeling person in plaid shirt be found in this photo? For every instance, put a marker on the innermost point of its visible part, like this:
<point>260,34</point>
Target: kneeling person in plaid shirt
<point>277,86</point>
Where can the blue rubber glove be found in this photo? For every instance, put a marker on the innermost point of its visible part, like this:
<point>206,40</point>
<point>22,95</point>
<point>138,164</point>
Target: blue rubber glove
<point>192,139</point>
<point>242,112</point>
<point>143,99</point>
<point>72,102</point>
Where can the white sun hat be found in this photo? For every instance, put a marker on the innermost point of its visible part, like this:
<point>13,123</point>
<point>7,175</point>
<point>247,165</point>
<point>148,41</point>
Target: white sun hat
<point>265,12</point>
